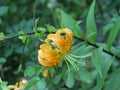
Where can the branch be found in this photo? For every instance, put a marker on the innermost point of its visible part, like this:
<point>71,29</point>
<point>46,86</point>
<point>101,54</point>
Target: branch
<point>96,46</point>
<point>89,43</point>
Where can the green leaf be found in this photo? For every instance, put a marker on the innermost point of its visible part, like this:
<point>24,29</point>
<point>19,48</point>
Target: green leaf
<point>2,60</point>
<point>70,80</point>
<point>22,36</point>
<point>31,83</point>
<point>107,62</point>
<point>30,71</point>
<point>97,58</point>
<point>2,35</point>
<point>3,85</point>
<point>57,78</point>
<point>36,22</point>
<point>107,27</point>
<point>40,85</point>
<point>3,10</point>
<point>90,25</point>
<point>113,33</point>
<point>41,29</point>
<point>13,7</point>
<point>70,23</point>
<point>114,81</point>
<point>85,76</point>
<point>41,33</point>
<point>51,28</point>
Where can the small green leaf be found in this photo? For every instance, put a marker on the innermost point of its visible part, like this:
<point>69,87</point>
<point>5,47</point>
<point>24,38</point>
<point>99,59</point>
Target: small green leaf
<point>2,60</point>
<point>41,29</point>
<point>22,36</point>
<point>113,33</point>
<point>19,68</point>
<point>40,32</point>
<point>90,25</point>
<point>2,35</point>
<point>70,23</point>
<point>107,27</point>
<point>51,28</point>
<point>35,24</point>
<point>70,80</point>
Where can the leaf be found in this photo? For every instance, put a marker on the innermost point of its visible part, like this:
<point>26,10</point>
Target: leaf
<point>30,71</point>
<point>3,85</point>
<point>41,29</point>
<point>57,78</point>
<point>114,81</point>
<point>3,10</point>
<point>2,61</point>
<point>31,83</point>
<point>70,23</point>
<point>90,25</point>
<point>51,28</point>
<point>97,57</point>
<point>40,85</point>
<point>22,36</point>
<point>107,27</point>
<point>70,80</point>
<point>41,33</point>
<point>35,24</point>
<point>82,47</point>
<point>2,35</point>
<point>85,76</point>
<point>107,62</point>
<point>113,33</point>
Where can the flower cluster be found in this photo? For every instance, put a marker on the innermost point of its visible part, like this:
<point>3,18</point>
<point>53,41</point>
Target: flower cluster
<point>56,46</point>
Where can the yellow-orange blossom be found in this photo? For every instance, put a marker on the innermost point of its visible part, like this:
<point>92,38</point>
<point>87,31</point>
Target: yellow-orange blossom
<point>56,45</point>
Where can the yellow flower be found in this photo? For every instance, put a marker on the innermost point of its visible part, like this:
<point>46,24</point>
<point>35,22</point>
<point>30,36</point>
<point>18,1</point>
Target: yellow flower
<point>18,85</point>
<point>55,47</point>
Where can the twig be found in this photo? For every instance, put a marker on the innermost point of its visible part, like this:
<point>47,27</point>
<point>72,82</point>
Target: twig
<point>96,46</point>
<point>89,43</point>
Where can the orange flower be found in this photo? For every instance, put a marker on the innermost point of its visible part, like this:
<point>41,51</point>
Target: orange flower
<point>57,45</point>
<point>47,56</point>
<point>64,43</point>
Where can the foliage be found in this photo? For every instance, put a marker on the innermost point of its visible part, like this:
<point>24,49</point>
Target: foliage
<point>26,23</point>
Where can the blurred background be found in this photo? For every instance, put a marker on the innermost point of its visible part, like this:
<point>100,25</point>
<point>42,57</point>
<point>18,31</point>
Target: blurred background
<point>17,15</point>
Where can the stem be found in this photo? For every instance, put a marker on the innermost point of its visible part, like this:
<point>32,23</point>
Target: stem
<point>71,62</point>
<point>76,60</point>
<point>67,65</point>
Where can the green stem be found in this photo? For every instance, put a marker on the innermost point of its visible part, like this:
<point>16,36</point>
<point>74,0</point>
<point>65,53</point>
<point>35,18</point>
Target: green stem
<point>67,65</point>
<point>71,62</point>
<point>72,58</point>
